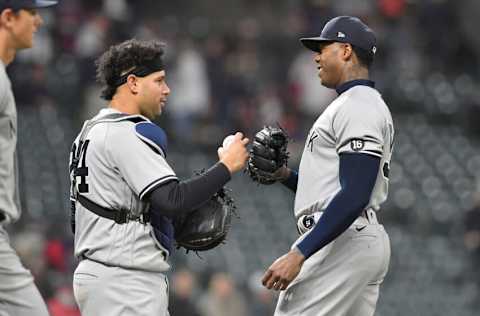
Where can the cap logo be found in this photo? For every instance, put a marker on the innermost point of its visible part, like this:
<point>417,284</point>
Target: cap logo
<point>374,49</point>
<point>341,34</point>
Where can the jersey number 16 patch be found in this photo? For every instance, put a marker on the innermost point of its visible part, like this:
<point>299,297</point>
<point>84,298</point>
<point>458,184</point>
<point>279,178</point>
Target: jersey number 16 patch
<point>357,144</point>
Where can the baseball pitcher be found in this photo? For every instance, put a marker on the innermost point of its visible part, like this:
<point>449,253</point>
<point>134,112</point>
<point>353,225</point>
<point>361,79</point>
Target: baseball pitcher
<point>337,264</point>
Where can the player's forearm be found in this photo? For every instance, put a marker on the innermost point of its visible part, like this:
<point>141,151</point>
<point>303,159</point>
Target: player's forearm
<point>177,198</point>
<point>291,179</point>
<point>358,174</point>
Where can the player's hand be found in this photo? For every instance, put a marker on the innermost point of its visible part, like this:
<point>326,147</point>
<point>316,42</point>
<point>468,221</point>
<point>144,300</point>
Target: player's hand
<point>235,155</point>
<point>283,271</point>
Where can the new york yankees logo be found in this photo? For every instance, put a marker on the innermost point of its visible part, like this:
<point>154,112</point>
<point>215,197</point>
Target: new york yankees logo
<point>313,135</point>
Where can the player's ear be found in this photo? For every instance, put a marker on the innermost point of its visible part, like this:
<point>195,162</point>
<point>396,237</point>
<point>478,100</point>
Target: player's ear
<point>347,51</point>
<point>6,17</point>
<point>132,84</point>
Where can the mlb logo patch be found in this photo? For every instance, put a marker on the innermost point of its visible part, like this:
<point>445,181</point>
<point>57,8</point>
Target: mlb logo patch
<point>341,34</point>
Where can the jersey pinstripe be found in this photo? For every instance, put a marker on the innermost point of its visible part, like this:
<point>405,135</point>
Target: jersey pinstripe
<point>122,170</point>
<point>358,121</point>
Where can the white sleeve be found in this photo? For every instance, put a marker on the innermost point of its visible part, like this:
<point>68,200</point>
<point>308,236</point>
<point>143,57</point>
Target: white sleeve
<point>138,164</point>
<point>358,128</point>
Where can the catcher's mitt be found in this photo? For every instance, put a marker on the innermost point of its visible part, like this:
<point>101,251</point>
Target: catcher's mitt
<point>268,154</point>
<point>206,227</point>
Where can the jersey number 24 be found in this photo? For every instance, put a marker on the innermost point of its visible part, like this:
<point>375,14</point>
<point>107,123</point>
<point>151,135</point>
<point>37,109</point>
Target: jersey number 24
<point>81,170</point>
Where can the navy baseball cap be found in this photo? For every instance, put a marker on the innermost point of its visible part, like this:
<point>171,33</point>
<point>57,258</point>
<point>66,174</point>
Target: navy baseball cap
<point>344,29</point>
<point>26,4</point>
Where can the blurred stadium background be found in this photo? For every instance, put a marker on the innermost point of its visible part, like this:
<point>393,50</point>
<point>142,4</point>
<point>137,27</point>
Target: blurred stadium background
<point>236,65</point>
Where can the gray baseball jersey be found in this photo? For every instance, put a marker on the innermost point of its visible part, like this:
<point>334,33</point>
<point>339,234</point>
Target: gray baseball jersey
<point>358,121</point>
<point>9,201</point>
<point>122,170</point>
<point>18,294</point>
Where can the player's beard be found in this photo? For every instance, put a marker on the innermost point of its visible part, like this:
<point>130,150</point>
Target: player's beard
<point>149,114</point>
<point>151,111</point>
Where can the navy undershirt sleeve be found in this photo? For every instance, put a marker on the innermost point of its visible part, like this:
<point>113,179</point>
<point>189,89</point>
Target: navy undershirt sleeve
<point>292,181</point>
<point>176,198</point>
<point>358,173</point>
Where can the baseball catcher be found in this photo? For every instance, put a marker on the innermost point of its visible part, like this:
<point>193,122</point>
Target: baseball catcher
<point>268,155</point>
<point>127,198</point>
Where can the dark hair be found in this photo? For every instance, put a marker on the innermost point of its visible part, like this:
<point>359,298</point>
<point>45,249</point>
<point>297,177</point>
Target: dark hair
<point>364,57</point>
<point>124,57</point>
<point>5,6</point>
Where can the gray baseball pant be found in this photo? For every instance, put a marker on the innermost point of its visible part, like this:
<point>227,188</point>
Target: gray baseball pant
<point>102,290</point>
<point>18,294</point>
<point>343,278</point>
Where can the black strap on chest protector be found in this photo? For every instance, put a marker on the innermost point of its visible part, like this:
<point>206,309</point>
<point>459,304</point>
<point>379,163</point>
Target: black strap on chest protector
<point>119,216</point>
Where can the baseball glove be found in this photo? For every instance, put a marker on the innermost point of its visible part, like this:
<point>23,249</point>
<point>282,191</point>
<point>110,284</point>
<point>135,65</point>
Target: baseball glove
<point>268,154</point>
<point>206,227</point>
